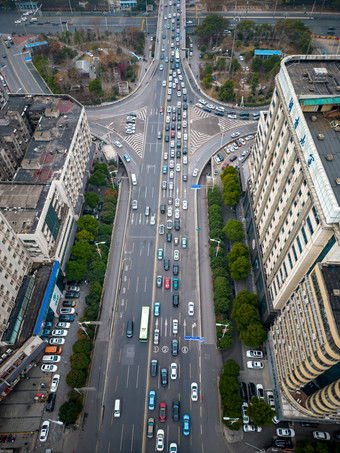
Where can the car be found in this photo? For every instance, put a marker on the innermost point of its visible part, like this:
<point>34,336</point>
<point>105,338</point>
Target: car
<point>166,264</point>
<point>171,174</point>
<point>150,427</point>
<point>195,172</point>
<point>164,185</point>
<point>160,254</point>
<point>270,399</point>
<point>69,303</point>
<point>255,365</point>
<point>173,371</point>
<point>235,134</point>
<point>73,288</point>
<point>67,311</point>
<point>184,243</point>
<point>153,219</point>
<point>169,213</point>
<point>178,167</point>
<point>162,208</point>
<point>154,367</point>
<point>175,326</point>
<point>259,391</point>
<point>56,341</point>
<point>47,368</point>
<point>252,390</point>
<point>176,255</point>
<point>134,204</point>
<point>54,383</point>
<point>162,412</point>
<point>175,269</point>
<point>118,144</point>
<point>63,325</point>
<point>191,308</point>
<point>321,435</point>
<point>50,403</point>
<point>157,309</point>
<point>185,204</point>
<point>245,417</point>
<point>169,224</point>
<point>160,440</point>
<point>152,400</point>
<point>176,213</point>
<point>169,237</point>
<point>176,410</point>
<point>147,211</point>
<point>66,318</point>
<point>164,377</point>
<point>165,169</point>
<point>186,425</point>
<point>243,391</point>
<point>251,428</point>
<point>161,229</point>
<point>174,347</point>
<point>175,283</point>
<point>44,431</point>
<point>167,283</point>
<point>59,333</point>
<point>127,157</point>
<point>285,432</point>
<point>156,336</point>
<point>283,443</point>
<point>161,67</point>
<point>233,117</point>
<point>72,295</point>
<point>194,391</point>
<point>175,300</point>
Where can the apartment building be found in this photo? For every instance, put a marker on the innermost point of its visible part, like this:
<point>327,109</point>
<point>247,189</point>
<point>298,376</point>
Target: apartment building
<point>292,208</point>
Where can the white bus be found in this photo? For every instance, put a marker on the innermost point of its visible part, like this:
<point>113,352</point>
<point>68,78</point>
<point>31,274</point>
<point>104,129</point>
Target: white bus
<point>144,324</point>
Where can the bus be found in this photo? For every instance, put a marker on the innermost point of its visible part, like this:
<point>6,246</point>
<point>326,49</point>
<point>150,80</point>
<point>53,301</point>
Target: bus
<point>144,324</point>
<point>244,114</point>
<point>177,55</point>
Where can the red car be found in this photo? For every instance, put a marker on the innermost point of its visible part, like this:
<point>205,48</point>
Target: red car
<point>167,283</point>
<point>162,412</point>
<point>225,165</point>
<point>160,109</point>
<point>172,134</point>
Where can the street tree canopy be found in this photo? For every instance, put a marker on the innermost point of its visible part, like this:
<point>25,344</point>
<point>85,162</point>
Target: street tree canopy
<point>234,230</point>
<point>253,335</point>
<point>211,26</point>
<point>239,268</point>
<point>260,412</point>
<point>92,199</point>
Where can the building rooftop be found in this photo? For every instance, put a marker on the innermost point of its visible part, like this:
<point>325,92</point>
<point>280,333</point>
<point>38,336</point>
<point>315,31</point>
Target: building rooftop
<point>314,77</point>
<point>266,52</point>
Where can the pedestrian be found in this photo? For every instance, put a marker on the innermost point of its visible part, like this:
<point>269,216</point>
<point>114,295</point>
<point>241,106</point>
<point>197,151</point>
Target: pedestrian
<point>76,313</point>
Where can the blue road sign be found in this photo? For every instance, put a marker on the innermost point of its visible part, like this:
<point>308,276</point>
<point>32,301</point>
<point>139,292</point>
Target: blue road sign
<point>195,338</point>
<point>28,58</point>
<point>195,186</point>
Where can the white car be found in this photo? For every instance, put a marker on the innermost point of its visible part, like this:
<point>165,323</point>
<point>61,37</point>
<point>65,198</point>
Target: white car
<point>169,91</point>
<point>156,336</point>
<point>251,428</point>
<point>195,172</point>
<point>63,325</point>
<point>233,117</point>
<point>321,435</point>
<point>56,341</point>
<point>185,204</point>
<point>169,211</point>
<point>178,167</point>
<point>255,365</point>
<point>176,255</point>
<point>168,117</point>
<point>255,354</point>
<point>259,391</point>
<point>235,134</point>
<point>185,124</point>
<point>67,311</point>
<point>249,137</point>
<point>160,440</point>
<point>181,78</point>
<point>194,391</point>
<point>171,174</point>
<point>164,83</point>
<point>51,358</point>
<point>161,67</point>
<point>17,21</point>
<point>210,106</point>
<point>175,326</point>
<point>173,371</point>
<point>59,333</point>
<point>47,368</point>
<point>173,448</point>
<point>245,417</point>
<point>172,144</point>
<point>55,383</point>
<point>202,101</point>
<point>118,144</point>
<point>242,141</point>
<point>176,213</point>
<point>165,156</point>
<point>285,432</point>
<point>171,164</point>
<point>171,185</point>
<point>200,106</point>
<point>185,159</point>
<point>44,431</point>
<point>177,202</point>
<point>153,219</point>
<point>191,308</point>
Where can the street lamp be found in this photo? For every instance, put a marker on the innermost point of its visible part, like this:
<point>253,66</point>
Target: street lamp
<point>98,249</point>
<point>218,245</point>
<point>55,421</point>
<point>225,330</point>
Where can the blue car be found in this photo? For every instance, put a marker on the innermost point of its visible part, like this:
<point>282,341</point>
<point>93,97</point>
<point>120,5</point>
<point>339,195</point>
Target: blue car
<point>152,400</point>
<point>168,26</point>
<point>127,157</point>
<point>165,169</point>
<point>186,425</point>
<point>160,254</point>
<point>175,283</point>
<point>157,309</point>
<point>167,61</point>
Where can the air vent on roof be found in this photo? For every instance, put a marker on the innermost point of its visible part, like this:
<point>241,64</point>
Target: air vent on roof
<point>336,292</point>
<point>321,137</point>
<point>337,88</point>
<point>313,118</point>
<point>337,181</point>
<point>329,157</point>
<point>312,88</point>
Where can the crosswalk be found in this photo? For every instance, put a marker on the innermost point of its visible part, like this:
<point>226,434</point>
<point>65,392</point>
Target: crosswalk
<point>136,142</point>
<point>197,114</point>
<point>227,123</point>
<point>197,139</point>
<point>141,114</point>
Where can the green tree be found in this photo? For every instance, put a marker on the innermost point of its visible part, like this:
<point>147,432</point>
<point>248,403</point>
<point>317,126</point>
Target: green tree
<point>226,91</point>
<point>79,361</point>
<point>88,223</point>
<point>254,335</point>
<point>237,251</point>
<point>208,68</point>
<point>96,87</point>
<point>271,62</point>
<point>76,270</point>
<point>255,82</point>
<point>82,346</point>
<point>245,29</point>
<point>84,236</point>
<point>221,64</point>
<point>221,305</point>
<point>239,268</point>
<point>69,411</point>
<point>97,271</point>
<point>260,413</point>
<point>235,65</point>
<point>76,378</point>
<point>246,297</point>
<point>231,194</point>
<point>214,196</point>
<point>244,315</point>
<point>207,81</point>
<point>211,27</point>
<point>256,64</point>
<point>96,289</point>
<point>231,368</point>
<point>234,230</point>
<point>92,199</point>
<point>218,261</point>
<point>219,272</point>
<point>97,179</point>
<point>108,215</point>
<point>91,312</point>
<point>81,251</point>
<point>224,339</point>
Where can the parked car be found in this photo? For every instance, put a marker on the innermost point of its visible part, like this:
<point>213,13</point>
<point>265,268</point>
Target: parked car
<point>44,431</point>
<point>285,432</point>
<point>321,435</point>
<point>72,295</point>
<point>66,318</point>
<point>46,368</point>
<point>54,383</point>
<point>50,403</point>
<point>69,303</point>
<point>67,311</point>
<point>255,365</point>
<point>255,354</point>
<point>251,428</point>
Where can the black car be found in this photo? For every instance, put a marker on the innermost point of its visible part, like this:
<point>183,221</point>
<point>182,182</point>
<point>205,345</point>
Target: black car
<point>175,269</point>
<point>206,109</point>
<point>51,402</point>
<point>233,158</point>
<point>167,139</point>
<point>72,295</point>
<point>185,98</point>
<point>167,263</point>
<point>185,150</point>
<point>66,318</point>
<point>243,391</point>
<point>178,126</point>
<point>252,390</point>
<point>154,367</point>
<point>185,106</point>
<point>169,237</point>
<point>167,127</point>
<point>175,300</point>
<point>173,126</point>
<point>177,224</point>
<point>164,377</point>
<point>219,113</point>
<point>336,434</point>
<point>178,153</point>
<point>176,410</point>
<point>179,110</point>
<point>162,208</point>
<point>185,178</point>
<point>174,347</point>
<point>282,443</point>
<point>69,303</point>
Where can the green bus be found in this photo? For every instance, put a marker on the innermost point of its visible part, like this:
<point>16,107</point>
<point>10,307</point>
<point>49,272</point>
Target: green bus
<point>144,324</point>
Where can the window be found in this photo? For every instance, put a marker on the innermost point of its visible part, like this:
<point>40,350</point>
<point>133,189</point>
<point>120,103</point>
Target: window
<point>290,261</point>
<point>309,223</point>
<point>294,252</point>
<point>304,235</point>
<point>315,215</point>
<point>299,243</point>
<point>285,269</point>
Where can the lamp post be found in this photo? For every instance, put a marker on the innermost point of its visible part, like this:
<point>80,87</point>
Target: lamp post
<point>218,245</point>
<point>98,249</point>
<point>225,330</point>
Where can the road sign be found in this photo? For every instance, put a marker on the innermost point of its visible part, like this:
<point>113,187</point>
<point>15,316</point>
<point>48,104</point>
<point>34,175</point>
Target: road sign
<point>195,186</point>
<point>194,338</point>
<point>28,58</point>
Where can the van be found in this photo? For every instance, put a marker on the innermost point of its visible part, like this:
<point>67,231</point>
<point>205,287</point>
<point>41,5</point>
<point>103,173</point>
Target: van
<point>134,179</point>
<point>117,408</point>
<point>53,350</point>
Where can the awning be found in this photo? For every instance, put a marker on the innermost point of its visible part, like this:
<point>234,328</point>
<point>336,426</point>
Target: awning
<point>320,101</point>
